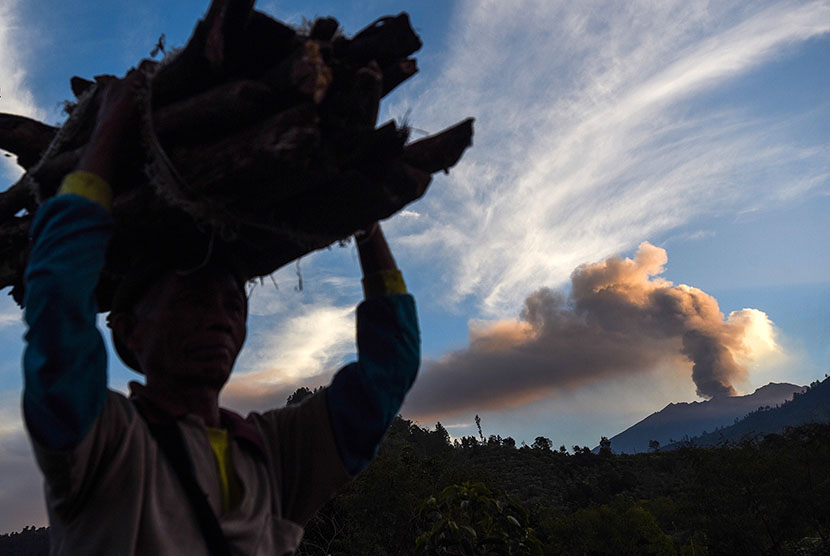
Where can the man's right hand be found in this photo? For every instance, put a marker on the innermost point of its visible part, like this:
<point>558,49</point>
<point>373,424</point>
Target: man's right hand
<point>117,112</point>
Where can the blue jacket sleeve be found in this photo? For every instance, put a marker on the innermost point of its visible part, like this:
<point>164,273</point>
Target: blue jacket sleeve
<point>64,363</point>
<point>364,397</point>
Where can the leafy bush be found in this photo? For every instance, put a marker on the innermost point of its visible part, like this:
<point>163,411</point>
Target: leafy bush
<point>466,520</point>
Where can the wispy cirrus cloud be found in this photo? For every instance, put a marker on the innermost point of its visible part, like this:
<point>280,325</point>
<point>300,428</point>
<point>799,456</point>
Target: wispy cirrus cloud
<point>592,133</point>
<point>15,95</point>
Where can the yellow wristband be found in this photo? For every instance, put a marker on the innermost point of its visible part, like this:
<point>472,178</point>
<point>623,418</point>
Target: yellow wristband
<point>385,282</point>
<point>88,185</point>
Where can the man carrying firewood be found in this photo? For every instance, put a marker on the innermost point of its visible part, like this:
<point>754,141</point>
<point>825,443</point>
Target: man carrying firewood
<point>168,471</point>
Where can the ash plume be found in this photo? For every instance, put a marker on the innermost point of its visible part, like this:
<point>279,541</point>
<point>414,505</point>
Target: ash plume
<point>620,318</point>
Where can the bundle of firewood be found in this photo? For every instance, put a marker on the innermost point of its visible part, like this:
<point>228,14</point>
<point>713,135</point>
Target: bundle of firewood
<point>256,140</point>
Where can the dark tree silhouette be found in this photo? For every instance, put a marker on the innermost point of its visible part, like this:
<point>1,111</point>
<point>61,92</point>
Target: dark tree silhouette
<point>542,443</point>
<point>299,395</point>
<point>604,446</point>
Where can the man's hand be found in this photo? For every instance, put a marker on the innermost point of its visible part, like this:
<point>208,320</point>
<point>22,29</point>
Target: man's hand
<point>374,252</point>
<point>117,111</point>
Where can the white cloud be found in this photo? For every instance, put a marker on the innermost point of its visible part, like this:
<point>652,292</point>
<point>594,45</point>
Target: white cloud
<point>410,214</point>
<point>588,139</point>
<point>275,9</point>
<point>306,344</point>
<point>11,318</point>
<point>296,338</point>
<point>21,493</point>
<point>15,95</point>
<point>303,350</point>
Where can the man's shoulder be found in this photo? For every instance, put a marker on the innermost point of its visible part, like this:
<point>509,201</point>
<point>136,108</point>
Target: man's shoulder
<point>307,421</point>
<point>119,413</point>
<point>117,425</point>
<point>312,407</point>
<point>300,445</point>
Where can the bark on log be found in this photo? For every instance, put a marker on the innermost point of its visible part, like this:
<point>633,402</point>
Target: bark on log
<point>214,112</point>
<point>226,21</point>
<point>232,40</point>
<point>441,151</point>
<point>80,85</point>
<point>282,145</point>
<point>25,137</point>
<point>16,198</point>
<point>224,163</point>
<point>324,29</point>
<point>265,43</point>
<point>396,73</point>
<point>386,40</point>
<point>14,251</point>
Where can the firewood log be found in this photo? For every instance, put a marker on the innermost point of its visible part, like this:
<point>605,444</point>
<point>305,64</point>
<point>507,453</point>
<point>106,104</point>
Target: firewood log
<point>25,137</point>
<point>257,143</point>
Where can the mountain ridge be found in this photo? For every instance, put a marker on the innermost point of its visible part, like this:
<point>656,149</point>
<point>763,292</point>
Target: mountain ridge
<point>810,406</point>
<point>684,420</point>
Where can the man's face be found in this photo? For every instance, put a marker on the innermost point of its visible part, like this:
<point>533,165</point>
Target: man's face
<point>190,328</point>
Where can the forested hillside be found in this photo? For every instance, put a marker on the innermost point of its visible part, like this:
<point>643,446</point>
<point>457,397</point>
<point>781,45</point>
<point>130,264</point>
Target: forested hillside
<point>757,497</point>
<point>30,541</point>
<point>768,497</point>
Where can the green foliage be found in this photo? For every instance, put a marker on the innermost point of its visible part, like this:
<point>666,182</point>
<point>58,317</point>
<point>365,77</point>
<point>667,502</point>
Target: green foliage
<point>761,496</point>
<point>688,501</point>
<point>376,515</point>
<point>622,528</point>
<point>769,496</point>
<point>466,520</point>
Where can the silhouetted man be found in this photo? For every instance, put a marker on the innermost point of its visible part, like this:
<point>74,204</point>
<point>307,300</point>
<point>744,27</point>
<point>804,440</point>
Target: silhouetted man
<point>168,471</point>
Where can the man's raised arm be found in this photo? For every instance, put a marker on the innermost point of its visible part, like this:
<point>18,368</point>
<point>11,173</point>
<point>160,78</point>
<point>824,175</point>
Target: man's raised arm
<point>365,396</point>
<point>65,362</point>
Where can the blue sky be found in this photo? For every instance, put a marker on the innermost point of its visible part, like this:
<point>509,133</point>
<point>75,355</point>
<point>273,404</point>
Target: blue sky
<point>701,129</point>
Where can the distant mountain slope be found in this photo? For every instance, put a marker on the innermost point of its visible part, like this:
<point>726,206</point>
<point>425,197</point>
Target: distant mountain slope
<point>678,421</point>
<point>811,406</point>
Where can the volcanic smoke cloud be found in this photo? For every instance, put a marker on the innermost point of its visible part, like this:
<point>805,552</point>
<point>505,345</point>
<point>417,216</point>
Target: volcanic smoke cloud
<point>620,318</point>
